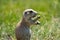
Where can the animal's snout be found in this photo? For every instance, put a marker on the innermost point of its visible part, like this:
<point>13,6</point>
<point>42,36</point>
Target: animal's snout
<point>34,14</point>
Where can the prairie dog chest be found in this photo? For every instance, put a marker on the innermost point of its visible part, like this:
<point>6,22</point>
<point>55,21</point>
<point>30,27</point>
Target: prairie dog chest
<point>24,32</point>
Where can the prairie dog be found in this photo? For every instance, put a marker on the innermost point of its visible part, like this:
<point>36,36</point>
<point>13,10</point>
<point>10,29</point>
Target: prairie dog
<point>22,30</point>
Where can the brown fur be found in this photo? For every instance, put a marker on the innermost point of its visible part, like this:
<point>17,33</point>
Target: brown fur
<point>22,30</point>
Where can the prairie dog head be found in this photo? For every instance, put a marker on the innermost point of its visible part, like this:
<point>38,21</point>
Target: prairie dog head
<point>29,14</point>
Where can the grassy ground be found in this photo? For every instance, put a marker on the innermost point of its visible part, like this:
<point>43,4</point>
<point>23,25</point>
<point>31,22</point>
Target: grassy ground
<point>49,10</point>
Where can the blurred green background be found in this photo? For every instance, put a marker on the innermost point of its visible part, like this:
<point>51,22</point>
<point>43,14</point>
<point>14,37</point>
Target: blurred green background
<point>11,12</point>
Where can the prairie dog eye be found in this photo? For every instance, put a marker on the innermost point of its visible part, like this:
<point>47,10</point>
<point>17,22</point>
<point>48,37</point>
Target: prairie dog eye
<point>31,11</point>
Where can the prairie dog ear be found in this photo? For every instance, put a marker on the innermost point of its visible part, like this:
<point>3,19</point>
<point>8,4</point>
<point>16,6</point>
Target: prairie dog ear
<point>27,13</point>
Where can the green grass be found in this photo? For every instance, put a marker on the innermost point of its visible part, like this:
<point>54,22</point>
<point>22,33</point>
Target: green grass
<point>11,12</point>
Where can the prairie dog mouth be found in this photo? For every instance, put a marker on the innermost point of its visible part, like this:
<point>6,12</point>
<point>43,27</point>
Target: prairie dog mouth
<point>35,19</point>
<point>34,15</point>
